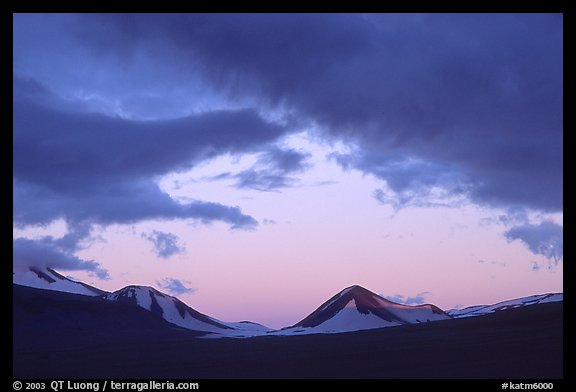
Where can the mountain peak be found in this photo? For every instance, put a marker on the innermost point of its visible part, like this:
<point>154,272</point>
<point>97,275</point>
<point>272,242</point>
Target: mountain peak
<point>359,291</point>
<point>168,307</point>
<point>355,288</point>
<point>356,308</point>
<point>48,279</point>
<point>134,287</point>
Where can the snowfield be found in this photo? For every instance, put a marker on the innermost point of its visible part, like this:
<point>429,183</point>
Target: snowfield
<point>480,310</point>
<point>48,279</point>
<point>169,308</point>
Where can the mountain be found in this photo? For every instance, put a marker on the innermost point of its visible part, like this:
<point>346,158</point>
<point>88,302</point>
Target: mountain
<point>48,279</point>
<point>356,308</point>
<point>162,306</point>
<point>167,307</point>
<point>353,309</point>
<point>481,310</point>
<point>176,312</point>
<point>68,336</point>
<point>50,318</point>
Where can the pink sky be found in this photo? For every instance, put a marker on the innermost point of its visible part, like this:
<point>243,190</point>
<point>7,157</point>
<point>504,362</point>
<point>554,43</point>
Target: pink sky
<point>417,155</point>
<point>325,238</point>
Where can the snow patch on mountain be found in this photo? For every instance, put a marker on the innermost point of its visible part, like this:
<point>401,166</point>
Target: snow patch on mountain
<point>356,308</point>
<point>169,308</point>
<point>480,310</point>
<point>352,309</point>
<point>174,311</point>
<point>48,279</point>
<point>350,319</point>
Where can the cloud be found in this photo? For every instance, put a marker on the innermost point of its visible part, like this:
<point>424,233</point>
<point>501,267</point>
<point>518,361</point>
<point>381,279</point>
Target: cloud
<point>271,171</point>
<point>116,203</point>
<point>262,180</point>
<point>74,144</point>
<point>513,216</point>
<point>166,245</point>
<point>544,239</point>
<point>286,160</point>
<point>493,262</point>
<point>409,181</point>
<point>473,98</point>
<point>52,254</point>
<point>441,108</point>
<point>175,286</point>
<point>418,299</point>
<point>75,165</point>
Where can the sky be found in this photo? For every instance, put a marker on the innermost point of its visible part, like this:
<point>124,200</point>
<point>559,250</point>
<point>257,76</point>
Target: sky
<point>254,165</point>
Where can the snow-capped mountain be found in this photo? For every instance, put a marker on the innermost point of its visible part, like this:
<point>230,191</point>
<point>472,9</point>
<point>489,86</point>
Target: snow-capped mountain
<point>356,308</point>
<point>176,312</point>
<point>480,310</point>
<point>48,279</point>
<point>169,308</point>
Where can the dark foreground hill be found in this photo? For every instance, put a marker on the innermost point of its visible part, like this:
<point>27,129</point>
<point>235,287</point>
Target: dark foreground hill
<point>58,335</point>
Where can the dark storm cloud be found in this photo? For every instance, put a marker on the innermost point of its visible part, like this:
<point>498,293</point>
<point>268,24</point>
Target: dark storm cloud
<point>50,253</point>
<point>166,245</point>
<point>477,97</point>
<point>52,147</point>
<point>89,167</point>
<point>438,107</point>
<point>544,239</point>
<point>175,286</point>
<point>115,203</point>
<point>58,253</point>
